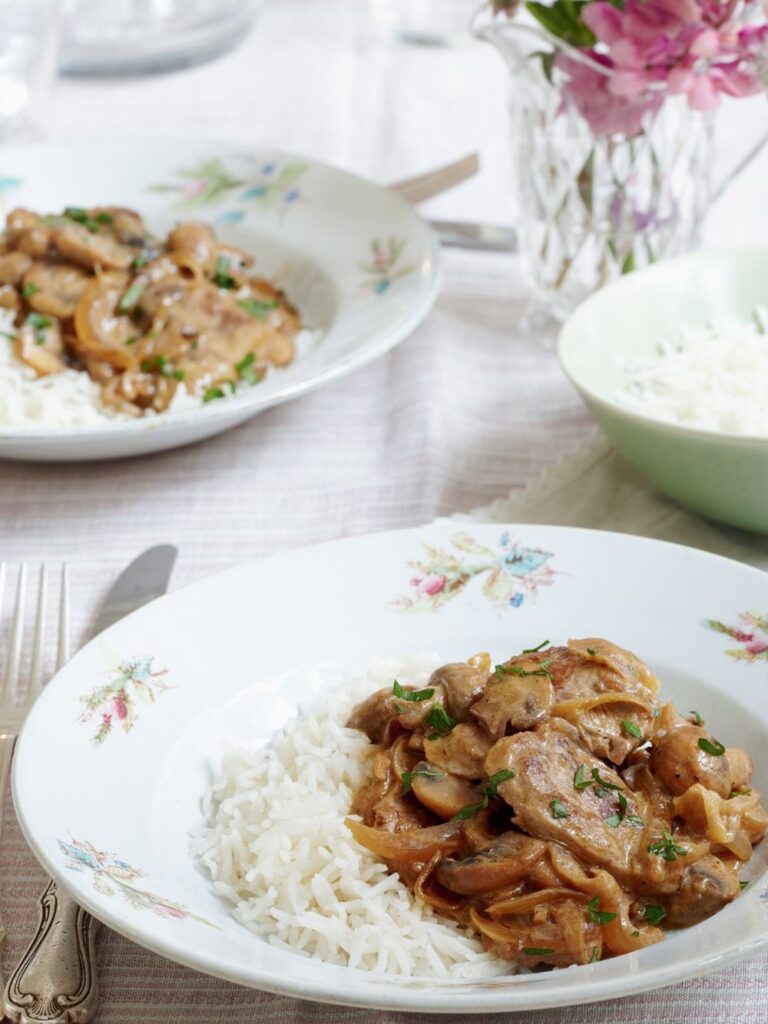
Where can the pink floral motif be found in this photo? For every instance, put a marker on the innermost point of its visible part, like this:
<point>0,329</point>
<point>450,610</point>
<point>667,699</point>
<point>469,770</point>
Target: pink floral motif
<point>751,636</point>
<point>511,573</point>
<point>383,267</point>
<point>111,876</point>
<point>115,701</point>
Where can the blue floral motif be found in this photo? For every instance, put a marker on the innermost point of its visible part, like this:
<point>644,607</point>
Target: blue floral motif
<point>510,574</point>
<point>266,186</point>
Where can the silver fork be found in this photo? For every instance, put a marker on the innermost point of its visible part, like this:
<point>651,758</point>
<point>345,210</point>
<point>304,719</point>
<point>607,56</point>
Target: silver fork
<point>432,183</point>
<point>15,699</point>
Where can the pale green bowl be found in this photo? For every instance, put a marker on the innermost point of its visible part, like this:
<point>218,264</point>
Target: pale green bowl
<point>724,476</point>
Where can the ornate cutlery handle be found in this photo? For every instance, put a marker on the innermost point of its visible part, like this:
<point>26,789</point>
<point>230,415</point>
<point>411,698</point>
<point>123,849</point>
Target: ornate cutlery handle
<point>55,981</point>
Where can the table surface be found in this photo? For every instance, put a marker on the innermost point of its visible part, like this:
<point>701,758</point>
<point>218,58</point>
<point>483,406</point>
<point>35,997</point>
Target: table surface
<point>464,411</point>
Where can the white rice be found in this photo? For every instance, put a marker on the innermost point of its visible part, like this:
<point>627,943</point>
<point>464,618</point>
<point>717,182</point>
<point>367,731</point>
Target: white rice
<point>278,850</point>
<point>71,398</point>
<point>711,378</point>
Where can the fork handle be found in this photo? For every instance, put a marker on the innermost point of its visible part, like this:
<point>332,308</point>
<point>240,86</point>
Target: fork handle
<point>55,980</point>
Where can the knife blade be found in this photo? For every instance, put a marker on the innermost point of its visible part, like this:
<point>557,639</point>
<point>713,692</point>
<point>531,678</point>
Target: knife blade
<point>141,582</point>
<point>55,980</point>
<point>479,237</point>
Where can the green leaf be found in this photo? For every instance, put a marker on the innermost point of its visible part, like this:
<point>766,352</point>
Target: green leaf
<point>495,781</point>
<point>257,307</point>
<point>712,747</point>
<point>599,916</point>
<point>440,721</point>
<point>412,696</point>
<point>558,810</point>
<point>631,729</point>
<point>653,913</point>
<point>580,781</point>
<point>535,650</point>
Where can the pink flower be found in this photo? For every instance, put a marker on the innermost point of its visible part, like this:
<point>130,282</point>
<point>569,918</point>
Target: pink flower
<point>756,646</point>
<point>119,707</point>
<point>429,585</point>
<point>194,188</point>
<point>605,112</point>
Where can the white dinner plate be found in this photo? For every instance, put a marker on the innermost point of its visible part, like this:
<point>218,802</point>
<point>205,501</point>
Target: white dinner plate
<point>358,262</point>
<point>108,782</point>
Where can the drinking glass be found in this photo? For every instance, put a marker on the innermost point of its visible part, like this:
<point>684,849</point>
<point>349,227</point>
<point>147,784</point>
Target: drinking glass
<point>28,54</point>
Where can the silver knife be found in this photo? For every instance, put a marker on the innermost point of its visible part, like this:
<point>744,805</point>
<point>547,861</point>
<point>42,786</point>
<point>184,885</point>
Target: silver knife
<point>55,980</point>
<point>480,237</point>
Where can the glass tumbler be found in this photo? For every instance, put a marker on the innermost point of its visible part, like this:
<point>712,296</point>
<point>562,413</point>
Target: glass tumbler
<point>29,39</point>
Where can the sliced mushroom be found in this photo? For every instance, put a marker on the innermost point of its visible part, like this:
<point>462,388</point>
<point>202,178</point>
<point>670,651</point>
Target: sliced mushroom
<point>462,751</point>
<point>463,683</point>
<point>13,266</point>
<point>679,761</point>
<point>102,331</point>
<point>28,232</point>
<point>194,245</point>
<point>55,289</point>
<point>40,346</point>
<point>505,861</point>
<point>92,249</point>
<point>441,792</point>
<point>518,701</point>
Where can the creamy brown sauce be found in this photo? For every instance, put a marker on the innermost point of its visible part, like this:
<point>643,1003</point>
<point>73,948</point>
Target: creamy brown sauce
<point>93,289</point>
<point>553,805</point>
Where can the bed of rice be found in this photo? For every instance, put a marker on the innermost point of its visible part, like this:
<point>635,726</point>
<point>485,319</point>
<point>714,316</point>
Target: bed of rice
<point>277,849</point>
<point>70,398</point>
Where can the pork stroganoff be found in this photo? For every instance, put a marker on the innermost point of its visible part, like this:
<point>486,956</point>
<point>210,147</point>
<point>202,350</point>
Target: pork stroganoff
<point>148,320</point>
<point>554,806</point>
<point>470,820</point>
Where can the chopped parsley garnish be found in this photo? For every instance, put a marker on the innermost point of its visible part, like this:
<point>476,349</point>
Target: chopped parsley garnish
<point>599,916</point>
<point>413,696</point>
<point>246,370</point>
<point>159,364</point>
<point>138,262</point>
<point>131,296</point>
<point>697,719</point>
<point>636,820</point>
<point>257,307</point>
<point>616,819</point>
<point>221,275</point>
<point>711,747</point>
<point>635,934</point>
<point>743,885</point>
<point>739,792</point>
<point>427,773</point>
<point>631,729</point>
<point>494,781</point>
<point>518,670</point>
<point>535,650</point>
<point>595,955</point>
<point>653,913</point>
<point>40,324</point>
<point>601,781</point>
<point>667,848</point>
<point>558,810</point>
<point>591,651</point>
<point>471,809</point>
<point>29,290</point>
<point>580,781</point>
<point>132,340</point>
<point>210,394</point>
<point>537,950</point>
<point>440,720</point>
<point>81,216</point>
<point>489,793</point>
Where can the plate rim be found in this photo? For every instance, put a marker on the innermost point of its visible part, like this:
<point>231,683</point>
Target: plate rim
<point>432,999</point>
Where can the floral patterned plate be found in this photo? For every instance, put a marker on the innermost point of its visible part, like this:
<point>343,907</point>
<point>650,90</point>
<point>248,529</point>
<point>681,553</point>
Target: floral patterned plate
<point>356,259</point>
<point>111,765</point>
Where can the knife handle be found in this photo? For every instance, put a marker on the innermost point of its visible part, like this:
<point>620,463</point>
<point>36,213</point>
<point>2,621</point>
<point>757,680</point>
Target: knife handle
<point>55,981</point>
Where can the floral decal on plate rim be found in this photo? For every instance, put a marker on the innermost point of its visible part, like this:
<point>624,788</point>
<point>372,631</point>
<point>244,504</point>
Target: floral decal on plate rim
<point>751,636</point>
<point>260,184</point>
<point>112,876</point>
<point>511,573</point>
<point>114,703</point>
<point>384,266</point>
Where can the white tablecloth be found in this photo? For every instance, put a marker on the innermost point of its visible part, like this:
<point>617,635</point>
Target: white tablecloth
<point>461,413</point>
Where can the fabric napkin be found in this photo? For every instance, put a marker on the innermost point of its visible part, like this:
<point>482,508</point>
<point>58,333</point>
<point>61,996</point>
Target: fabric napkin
<point>595,487</point>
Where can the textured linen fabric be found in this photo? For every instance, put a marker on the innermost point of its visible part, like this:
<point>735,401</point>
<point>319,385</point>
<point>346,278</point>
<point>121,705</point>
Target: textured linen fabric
<point>463,412</point>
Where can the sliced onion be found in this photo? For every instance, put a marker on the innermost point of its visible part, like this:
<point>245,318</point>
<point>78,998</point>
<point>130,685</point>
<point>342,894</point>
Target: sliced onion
<point>417,844</point>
